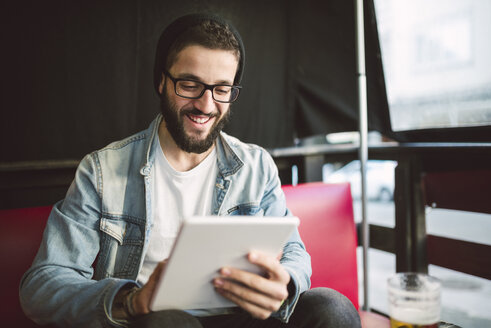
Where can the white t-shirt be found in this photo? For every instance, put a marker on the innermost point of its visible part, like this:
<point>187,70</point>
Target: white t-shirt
<point>176,195</point>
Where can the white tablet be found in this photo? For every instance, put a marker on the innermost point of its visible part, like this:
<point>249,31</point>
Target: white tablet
<point>206,244</point>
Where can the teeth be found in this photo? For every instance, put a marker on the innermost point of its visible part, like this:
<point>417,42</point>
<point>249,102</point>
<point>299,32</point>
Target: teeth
<point>199,120</point>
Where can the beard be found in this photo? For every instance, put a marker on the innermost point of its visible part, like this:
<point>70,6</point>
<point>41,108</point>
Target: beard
<point>174,122</point>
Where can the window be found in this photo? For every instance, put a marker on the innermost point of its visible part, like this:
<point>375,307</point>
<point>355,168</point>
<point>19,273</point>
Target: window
<point>436,63</point>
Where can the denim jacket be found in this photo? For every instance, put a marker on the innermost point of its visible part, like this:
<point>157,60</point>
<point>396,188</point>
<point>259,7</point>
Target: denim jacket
<point>96,238</point>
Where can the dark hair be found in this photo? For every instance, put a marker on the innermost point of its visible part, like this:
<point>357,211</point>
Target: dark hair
<point>209,31</point>
<point>209,34</point>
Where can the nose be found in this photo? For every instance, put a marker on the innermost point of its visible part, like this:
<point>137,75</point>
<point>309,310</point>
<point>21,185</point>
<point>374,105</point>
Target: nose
<point>205,103</point>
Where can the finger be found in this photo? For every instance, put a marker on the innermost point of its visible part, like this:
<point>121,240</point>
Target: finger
<point>156,274</point>
<point>274,289</point>
<point>256,311</point>
<point>248,295</point>
<point>271,264</point>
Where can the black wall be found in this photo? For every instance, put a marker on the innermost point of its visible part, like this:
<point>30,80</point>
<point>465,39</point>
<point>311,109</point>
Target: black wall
<point>77,75</point>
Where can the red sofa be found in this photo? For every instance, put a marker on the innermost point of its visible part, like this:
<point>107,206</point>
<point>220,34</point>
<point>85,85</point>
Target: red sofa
<point>20,236</point>
<point>324,209</point>
<point>326,225</point>
<point>328,230</point>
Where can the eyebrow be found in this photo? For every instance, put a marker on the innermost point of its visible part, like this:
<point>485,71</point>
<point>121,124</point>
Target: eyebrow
<point>189,76</point>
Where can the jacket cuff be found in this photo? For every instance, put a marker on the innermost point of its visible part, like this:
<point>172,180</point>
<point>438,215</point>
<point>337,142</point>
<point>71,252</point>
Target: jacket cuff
<point>108,299</point>
<point>286,309</point>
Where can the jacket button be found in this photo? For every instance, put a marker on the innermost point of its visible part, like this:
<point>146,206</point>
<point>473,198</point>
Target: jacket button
<point>145,170</point>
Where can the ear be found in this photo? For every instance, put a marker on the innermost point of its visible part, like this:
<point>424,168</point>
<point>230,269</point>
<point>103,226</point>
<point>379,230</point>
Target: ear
<point>162,83</point>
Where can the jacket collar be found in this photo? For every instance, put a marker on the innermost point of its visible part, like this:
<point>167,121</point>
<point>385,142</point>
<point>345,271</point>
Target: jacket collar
<point>152,143</point>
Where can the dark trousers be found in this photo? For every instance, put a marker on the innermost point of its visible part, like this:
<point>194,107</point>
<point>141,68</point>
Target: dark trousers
<point>316,308</point>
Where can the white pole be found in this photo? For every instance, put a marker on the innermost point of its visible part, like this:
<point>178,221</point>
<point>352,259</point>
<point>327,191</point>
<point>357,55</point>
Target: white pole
<point>363,148</point>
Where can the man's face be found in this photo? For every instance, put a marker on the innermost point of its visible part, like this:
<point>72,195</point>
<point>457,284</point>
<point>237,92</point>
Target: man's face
<point>194,124</point>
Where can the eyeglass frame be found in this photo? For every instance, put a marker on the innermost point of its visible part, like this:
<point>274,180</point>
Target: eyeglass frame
<point>210,87</point>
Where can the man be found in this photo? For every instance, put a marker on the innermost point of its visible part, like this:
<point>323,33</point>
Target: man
<point>107,242</point>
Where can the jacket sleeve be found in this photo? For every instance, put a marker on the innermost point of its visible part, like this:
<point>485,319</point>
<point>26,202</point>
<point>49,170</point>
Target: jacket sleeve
<point>295,258</point>
<point>58,288</point>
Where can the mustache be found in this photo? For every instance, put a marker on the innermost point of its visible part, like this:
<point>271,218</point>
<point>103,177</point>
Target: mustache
<point>197,112</point>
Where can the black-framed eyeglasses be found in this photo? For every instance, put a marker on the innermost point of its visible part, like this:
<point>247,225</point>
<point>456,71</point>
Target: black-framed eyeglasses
<point>192,89</point>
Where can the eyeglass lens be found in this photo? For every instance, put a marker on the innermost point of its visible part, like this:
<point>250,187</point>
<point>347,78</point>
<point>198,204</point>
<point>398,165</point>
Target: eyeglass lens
<point>194,89</point>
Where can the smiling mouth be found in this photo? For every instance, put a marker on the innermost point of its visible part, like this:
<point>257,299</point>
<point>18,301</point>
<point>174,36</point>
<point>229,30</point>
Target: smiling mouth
<point>199,119</point>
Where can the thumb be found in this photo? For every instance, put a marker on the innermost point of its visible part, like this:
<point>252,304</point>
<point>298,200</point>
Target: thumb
<point>144,296</point>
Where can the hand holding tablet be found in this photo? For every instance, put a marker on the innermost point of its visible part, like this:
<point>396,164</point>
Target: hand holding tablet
<point>258,295</point>
<point>205,245</point>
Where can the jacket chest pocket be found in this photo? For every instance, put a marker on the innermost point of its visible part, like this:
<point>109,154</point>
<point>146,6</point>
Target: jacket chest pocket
<point>251,209</point>
<point>121,247</point>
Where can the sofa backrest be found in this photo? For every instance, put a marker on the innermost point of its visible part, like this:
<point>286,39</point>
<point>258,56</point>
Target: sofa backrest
<point>328,230</point>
